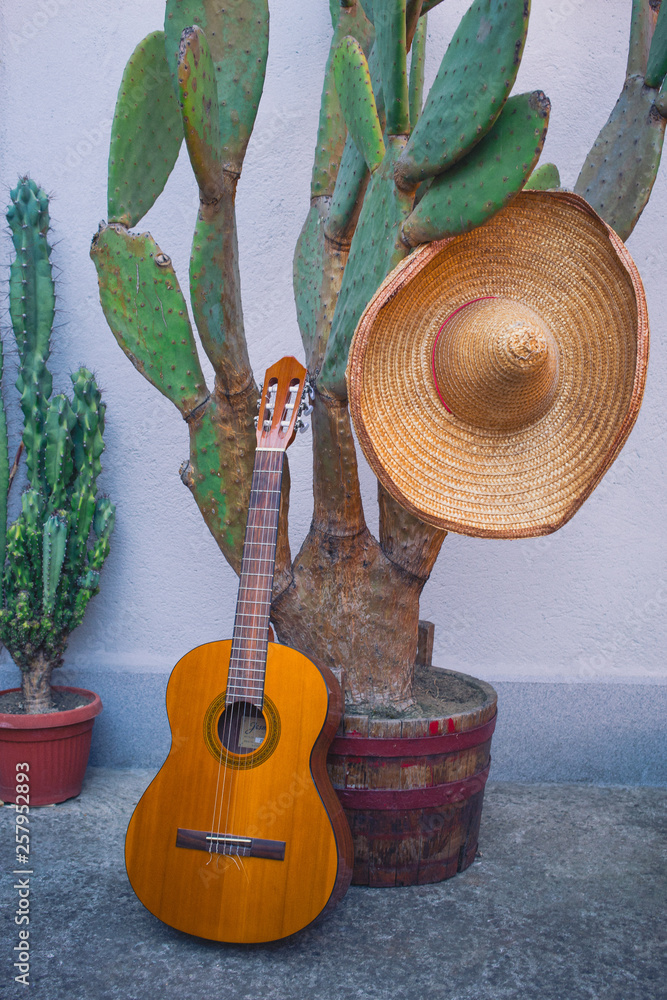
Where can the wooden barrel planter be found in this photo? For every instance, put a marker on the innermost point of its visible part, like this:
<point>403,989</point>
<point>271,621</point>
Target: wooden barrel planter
<point>412,788</point>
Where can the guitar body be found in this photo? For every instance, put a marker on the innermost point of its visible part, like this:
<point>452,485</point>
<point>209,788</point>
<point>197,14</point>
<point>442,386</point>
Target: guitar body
<point>295,853</point>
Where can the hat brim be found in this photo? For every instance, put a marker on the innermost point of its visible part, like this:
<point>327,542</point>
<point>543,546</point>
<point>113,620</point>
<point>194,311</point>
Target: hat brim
<point>550,251</point>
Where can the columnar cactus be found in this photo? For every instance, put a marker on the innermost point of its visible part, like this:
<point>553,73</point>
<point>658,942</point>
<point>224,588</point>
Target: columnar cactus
<point>52,565</point>
<point>388,175</point>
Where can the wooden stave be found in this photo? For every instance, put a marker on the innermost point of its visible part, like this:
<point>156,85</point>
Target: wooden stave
<point>409,846</point>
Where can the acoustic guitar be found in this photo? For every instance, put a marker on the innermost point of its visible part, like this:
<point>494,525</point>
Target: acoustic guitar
<point>240,837</point>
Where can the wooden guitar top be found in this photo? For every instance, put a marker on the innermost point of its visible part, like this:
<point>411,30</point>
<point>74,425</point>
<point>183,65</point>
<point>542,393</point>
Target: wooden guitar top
<point>254,848</point>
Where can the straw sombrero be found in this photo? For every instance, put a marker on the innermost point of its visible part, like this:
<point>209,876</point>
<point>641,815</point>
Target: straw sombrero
<point>494,377</point>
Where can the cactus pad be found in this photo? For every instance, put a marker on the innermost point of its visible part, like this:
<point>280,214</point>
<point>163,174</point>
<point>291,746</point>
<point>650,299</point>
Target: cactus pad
<point>353,173</point>
<point>376,248</point>
<point>487,178</point>
<point>238,37</point>
<point>199,108</point>
<point>222,453</point>
<point>317,274</point>
<point>214,292</point>
<point>144,307</point>
<point>349,183</point>
<point>146,133</point>
<point>307,272</point>
<point>661,99</point>
<point>656,67</point>
<point>642,26</point>
<point>355,92</point>
<point>470,89</point>
<point>416,80</point>
<point>349,21</point>
<point>390,35</point>
<point>544,178</point>
<point>620,169</point>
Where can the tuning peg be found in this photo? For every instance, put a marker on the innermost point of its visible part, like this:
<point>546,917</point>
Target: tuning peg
<point>256,421</point>
<point>301,425</point>
<point>308,390</point>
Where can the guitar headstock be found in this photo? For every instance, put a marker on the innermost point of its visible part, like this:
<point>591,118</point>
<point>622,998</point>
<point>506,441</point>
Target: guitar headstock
<point>280,403</point>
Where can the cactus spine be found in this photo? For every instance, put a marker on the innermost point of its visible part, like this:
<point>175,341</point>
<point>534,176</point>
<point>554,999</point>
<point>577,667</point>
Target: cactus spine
<point>52,570</point>
<point>387,174</point>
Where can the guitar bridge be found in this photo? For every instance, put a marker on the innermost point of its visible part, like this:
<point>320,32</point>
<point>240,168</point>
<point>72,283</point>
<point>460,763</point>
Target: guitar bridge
<point>227,843</point>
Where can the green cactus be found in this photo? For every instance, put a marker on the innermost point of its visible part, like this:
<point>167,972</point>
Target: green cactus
<point>32,305</point>
<point>386,175</point>
<point>494,171</point>
<point>416,81</point>
<point>146,310</point>
<point>238,37</point>
<point>52,564</point>
<point>656,64</point>
<point>146,133</point>
<point>621,167</point>
<point>349,21</point>
<point>4,470</point>
<point>198,96</point>
<point>391,40</point>
<point>53,555</point>
<point>543,178</point>
<point>470,89</point>
<point>58,450</point>
<point>355,91</point>
<point>385,208</point>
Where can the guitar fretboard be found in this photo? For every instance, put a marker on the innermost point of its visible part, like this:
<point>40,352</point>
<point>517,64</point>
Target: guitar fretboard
<point>253,608</point>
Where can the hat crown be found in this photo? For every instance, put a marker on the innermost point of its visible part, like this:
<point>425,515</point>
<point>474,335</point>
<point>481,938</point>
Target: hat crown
<point>495,362</point>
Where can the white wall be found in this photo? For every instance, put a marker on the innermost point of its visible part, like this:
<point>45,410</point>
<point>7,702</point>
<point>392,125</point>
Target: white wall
<point>587,604</point>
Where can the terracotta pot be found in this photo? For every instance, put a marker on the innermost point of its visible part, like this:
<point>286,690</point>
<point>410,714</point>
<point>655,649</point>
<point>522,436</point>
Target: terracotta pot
<point>56,745</point>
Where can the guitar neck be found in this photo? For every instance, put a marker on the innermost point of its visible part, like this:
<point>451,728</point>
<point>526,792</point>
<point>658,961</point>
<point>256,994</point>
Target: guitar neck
<point>247,665</point>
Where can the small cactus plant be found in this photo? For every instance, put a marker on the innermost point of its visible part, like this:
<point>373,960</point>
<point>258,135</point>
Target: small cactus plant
<point>52,566</point>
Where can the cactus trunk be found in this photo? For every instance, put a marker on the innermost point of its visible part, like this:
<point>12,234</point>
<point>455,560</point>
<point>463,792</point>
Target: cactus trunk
<point>36,685</point>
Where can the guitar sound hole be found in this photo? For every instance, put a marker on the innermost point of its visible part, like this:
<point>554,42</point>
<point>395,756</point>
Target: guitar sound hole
<point>242,728</point>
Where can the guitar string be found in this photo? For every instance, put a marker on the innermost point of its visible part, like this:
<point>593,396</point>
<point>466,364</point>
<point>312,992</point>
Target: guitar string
<point>259,530</point>
<point>237,647</point>
<point>262,541</point>
<point>229,729</point>
<point>225,735</point>
<point>265,537</point>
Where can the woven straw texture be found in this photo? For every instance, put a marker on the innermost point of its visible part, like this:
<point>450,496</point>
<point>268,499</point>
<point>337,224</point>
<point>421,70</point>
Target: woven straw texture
<point>540,411</point>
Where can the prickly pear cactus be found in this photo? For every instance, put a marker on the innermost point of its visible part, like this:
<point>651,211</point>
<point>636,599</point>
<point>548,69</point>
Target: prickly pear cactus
<point>387,175</point>
<point>620,169</point>
<point>57,545</point>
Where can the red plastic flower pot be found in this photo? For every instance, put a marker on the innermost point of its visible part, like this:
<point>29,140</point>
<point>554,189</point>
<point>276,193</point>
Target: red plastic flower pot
<point>56,747</point>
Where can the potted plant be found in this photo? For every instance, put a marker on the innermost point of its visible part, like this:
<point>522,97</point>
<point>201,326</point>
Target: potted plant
<point>54,550</point>
<point>391,171</point>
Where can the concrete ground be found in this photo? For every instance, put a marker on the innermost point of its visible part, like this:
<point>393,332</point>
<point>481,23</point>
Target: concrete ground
<point>566,902</point>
